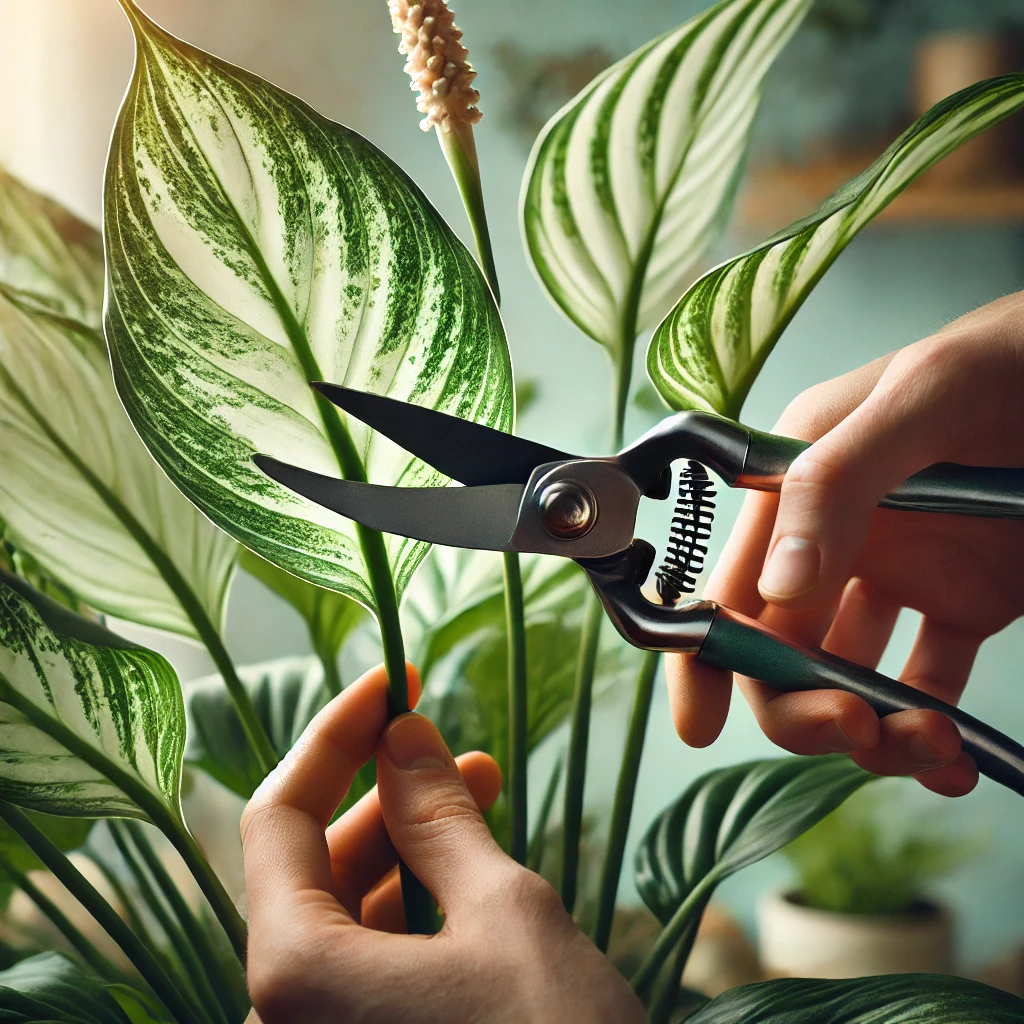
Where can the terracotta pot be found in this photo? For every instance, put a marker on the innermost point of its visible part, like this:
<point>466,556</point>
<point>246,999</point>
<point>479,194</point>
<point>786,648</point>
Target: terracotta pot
<point>800,942</point>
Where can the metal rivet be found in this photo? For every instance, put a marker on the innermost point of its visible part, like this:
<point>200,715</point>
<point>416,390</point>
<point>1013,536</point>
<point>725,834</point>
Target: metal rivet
<point>567,509</point>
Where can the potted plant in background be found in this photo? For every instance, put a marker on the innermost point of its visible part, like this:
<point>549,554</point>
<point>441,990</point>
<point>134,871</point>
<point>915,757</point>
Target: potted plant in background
<point>253,246</point>
<point>859,904</point>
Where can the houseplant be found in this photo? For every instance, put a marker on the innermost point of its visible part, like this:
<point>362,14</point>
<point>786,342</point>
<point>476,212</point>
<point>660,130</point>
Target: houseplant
<point>859,901</point>
<point>252,246</point>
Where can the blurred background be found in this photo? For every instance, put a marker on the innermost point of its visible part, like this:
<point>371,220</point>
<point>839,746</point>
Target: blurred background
<point>848,84</point>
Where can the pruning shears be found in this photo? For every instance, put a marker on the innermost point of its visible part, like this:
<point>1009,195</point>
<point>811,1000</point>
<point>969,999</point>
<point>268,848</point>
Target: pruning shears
<point>526,497</point>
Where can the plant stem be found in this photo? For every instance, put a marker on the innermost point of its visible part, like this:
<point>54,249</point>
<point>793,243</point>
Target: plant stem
<point>517,707</point>
<point>687,916</point>
<point>86,894</point>
<point>535,854</point>
<point>666,992</point>
<point>459,147</point>
<point>198,937</point>
<point>625,790</point>
<point>224,910</point>
<point>85,949</point>
<point>193,974</point>
<point>579,735</point>
<point>332,677</point>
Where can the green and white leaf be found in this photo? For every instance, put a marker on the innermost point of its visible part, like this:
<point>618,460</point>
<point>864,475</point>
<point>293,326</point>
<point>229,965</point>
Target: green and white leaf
<point>708,351</point>
<point>629,184</point>
<point>47,252</point>
<point>286,693</point>
<point>78,490</point>
<point>330,617</point>
<point>50,989</point>
<point>889,999</point>
<point>725,821</point>
<point>254,246</point>
<point>90,725</point>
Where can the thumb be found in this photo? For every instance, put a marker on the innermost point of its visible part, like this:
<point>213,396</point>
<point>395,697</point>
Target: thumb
<point>830,495</point>
<point>431,816</point>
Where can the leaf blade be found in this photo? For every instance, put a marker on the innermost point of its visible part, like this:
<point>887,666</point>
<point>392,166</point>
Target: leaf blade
<point>283,248</point>
<point>93,726</point>
<point>888,999</point>
<point>75,481</point>
<point>707,352</point>
<point>628,185</point>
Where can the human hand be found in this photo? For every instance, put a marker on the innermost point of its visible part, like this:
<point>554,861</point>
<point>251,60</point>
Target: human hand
<point>325,900</point>
<point>838,569</point>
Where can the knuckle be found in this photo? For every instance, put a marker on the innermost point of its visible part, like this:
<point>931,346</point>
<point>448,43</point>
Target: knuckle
<point>816,472</point>
<point>436,817</point>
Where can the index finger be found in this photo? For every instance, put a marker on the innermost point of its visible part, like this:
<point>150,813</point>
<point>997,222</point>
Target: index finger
<point>283,828</point>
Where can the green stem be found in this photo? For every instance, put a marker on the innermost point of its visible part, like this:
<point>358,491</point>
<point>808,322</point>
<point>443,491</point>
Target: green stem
<point>198,937</point>
<point>209,883</point>
<point>625,791</point>
<point>86,950</point>
<point>332,677</point>
<point>199,988</point>
<point>517,707</point>
<point>86,894</point>
<point>459,147</point>
<point>536,852</point>
<point>176,583</point>
<point>579,736</point>
<point>686,917</point>
<point>666,992</point>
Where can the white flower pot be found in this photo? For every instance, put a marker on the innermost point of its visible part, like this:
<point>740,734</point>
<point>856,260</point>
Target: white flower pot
<point>799,942</point>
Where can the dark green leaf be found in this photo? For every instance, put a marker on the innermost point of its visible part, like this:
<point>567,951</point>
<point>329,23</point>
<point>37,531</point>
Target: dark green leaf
<point>50,989</point>
<point>254,246</point>
<point>286,694</point>
<point>65,833</point>
<point>138,1007</point>
<point>733,817</point>
<point>709,349</point>
<point>890,999</point>
<point>629,184</point>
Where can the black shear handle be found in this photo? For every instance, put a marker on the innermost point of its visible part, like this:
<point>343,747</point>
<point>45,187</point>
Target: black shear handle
<point>981,491</point>
<point>743,645</point>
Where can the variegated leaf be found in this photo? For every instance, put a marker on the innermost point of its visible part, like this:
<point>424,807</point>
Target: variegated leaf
<point>630,182</point>
<point>78,490</point>
<point>886,999</point>
<point>708,351</point>
<point>90,725</point>
<point>254,246</point>
<point>46,251</point>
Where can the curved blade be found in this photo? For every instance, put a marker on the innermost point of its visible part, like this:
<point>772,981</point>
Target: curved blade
<point>465,451</point>
<point>458,517</point>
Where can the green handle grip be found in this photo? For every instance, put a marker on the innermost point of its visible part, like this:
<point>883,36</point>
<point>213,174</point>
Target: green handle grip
<point>983,491</point>
<point>739,644</point>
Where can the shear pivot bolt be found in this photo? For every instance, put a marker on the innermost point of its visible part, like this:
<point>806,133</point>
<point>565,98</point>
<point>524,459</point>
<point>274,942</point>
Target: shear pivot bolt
<point>567,509</point>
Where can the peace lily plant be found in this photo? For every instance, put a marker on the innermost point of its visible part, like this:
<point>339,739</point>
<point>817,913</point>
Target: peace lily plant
<point>250,246</point>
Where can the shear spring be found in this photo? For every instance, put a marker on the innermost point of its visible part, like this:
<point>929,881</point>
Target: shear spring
<point>691,528</point>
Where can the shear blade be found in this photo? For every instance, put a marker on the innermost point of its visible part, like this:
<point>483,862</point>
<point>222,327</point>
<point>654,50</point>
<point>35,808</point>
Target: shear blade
<point>465,451</point>
<point>459,517</point>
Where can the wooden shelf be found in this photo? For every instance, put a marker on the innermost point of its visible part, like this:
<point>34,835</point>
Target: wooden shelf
<point>778,195</point>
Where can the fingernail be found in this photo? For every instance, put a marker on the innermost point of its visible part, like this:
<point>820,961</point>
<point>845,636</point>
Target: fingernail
<point>831,737</point>
<point>411,743</point>
<point>919,755</point>
<point>792,569</point>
